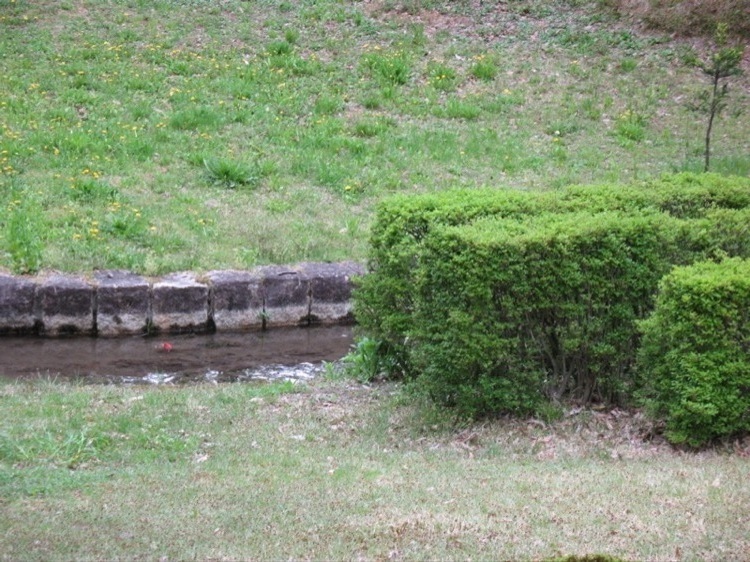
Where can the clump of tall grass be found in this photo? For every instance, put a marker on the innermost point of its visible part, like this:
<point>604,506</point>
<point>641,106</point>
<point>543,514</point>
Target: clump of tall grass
<point>232,173</point>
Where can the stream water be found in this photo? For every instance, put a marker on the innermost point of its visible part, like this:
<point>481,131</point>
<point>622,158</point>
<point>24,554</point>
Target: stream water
<point>295,353</point>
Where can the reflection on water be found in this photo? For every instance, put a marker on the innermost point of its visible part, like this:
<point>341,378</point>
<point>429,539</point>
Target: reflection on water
<point>295,353</point>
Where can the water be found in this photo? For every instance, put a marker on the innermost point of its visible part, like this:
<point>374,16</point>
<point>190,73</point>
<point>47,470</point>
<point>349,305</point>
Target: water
<point>295,353</point>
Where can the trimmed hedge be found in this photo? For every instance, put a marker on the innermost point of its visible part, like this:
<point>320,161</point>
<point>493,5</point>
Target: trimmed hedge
<point>684,196</point>
<point>695,356</point>
<point>509,312</point>
<point>384,300</point>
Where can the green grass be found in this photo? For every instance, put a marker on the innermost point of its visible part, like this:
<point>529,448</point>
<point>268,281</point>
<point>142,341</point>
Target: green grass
<point>320,109</point>
<point>231,173</point>
<point>336,470</point>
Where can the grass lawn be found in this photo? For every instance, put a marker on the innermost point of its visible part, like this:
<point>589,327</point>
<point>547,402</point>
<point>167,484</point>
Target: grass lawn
<point>168,135</point>
<point>334,470</point>
<point>193,134</point>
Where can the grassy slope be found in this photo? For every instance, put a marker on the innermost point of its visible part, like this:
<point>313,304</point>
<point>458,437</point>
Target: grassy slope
<point>187,134</point>
<point>341,471</point>
<point>109,114</point>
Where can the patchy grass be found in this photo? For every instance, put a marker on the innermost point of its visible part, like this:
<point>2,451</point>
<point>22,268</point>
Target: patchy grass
<point>313,112</point>
<point>691,17</point>
<point>337,470</point>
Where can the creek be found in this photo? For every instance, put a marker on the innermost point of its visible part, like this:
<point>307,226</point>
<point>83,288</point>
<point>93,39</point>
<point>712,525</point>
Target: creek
<point>279,354</point>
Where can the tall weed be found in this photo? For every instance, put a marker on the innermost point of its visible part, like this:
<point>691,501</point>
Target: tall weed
<point>24,233</point>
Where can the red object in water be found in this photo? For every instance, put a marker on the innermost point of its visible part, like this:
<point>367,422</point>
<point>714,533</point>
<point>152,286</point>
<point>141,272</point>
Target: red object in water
<point>166,346</point>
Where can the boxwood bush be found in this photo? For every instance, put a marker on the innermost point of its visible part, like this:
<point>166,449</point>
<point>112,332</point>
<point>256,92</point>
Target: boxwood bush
<point>683,196</point>
<point>509,312</point>
<point>714,206</point>
<point>383,299</point>
<point>695,356</point>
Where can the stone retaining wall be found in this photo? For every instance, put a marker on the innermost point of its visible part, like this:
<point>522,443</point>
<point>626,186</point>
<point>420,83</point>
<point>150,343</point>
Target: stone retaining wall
<point>114,303</point>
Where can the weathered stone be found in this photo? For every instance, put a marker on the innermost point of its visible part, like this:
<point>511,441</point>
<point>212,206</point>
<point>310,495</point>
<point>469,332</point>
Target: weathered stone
<point>286,296</point>
<point>17,298</point>
<point>331,291</point>
<point>179,304</point>
<point>66,306</point>
<point>123,303</point>
<point>236,300</point>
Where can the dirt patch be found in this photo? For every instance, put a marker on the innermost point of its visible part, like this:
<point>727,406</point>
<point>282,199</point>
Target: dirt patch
<point>581,433</point>
<point>432,20</point>
<point>690,18</point>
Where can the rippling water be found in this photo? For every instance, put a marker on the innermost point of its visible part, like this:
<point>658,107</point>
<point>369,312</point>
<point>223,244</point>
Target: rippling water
<point>291,354</point>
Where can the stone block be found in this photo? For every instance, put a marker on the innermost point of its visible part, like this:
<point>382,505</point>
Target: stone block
<point>17,302</point>
<point>179,304</point>
<point>331,291</point>
<point>286,296</point>
<point>66,306</point>
<point>236,300</point>
<point>123,303</point>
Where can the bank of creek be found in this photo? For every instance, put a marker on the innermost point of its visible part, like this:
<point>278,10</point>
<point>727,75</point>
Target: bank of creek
<point>272,322</point>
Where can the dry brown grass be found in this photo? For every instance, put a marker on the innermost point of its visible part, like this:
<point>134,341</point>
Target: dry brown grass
<point>691,17</point>
<point>343,471</point>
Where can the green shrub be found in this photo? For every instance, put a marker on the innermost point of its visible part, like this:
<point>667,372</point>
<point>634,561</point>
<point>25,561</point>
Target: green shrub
<point>683,195</point>
<point>695,357</point>
<point>367,361</point>
<point>510,311</point>
<point>724,232</point>
<point>384,300</point>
